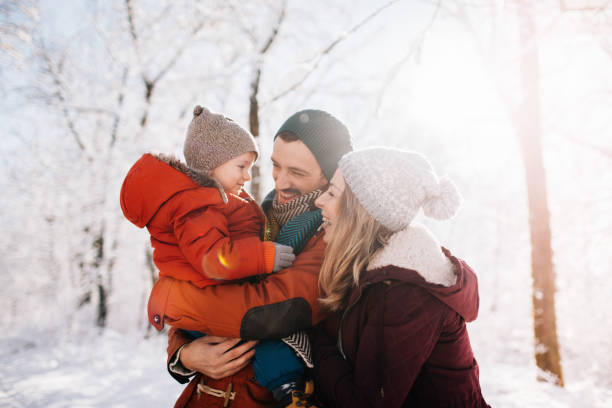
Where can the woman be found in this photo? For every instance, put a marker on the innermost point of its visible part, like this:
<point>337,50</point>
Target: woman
<point>401,299</point>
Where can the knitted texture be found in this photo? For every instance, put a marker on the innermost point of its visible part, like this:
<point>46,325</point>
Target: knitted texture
<point>304,222</point>
<point>324,135</point>
<point>392,185</point>
<point>212,139</point>
<point>300,343</point>
<point>296,233</point>
<point>286,211</point>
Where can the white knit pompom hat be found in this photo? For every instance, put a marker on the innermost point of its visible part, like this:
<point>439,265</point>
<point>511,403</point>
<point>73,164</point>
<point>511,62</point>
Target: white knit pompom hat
<point>392,185</point>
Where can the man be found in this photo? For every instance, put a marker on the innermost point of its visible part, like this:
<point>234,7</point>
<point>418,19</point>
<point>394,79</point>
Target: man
<point>306,151</point>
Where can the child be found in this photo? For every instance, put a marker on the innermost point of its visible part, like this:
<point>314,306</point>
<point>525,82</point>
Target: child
<point>204,227</point>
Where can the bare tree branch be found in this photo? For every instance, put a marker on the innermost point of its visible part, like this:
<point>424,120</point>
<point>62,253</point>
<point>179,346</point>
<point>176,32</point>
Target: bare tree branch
<point>327,50</point>
<point>253,98</point>
<point>120,99</point>
<point>245,26</point>
<point>416,46</point>
<point>274,34</point>
<point>150,84</point>
<point>179,52</point>
<point>16,19</point>
<point>592,146</point>
<point>91,110</point>
<point>130,17</point>
<point>598,9</point>
<point>59,95</point>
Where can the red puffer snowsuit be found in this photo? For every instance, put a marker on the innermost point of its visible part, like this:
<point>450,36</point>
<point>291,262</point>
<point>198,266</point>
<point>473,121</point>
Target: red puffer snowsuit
<point>198,233</point>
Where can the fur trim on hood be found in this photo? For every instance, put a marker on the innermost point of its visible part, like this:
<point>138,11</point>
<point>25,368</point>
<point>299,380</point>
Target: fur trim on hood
<point>417,249</point>
<point>199,178</point>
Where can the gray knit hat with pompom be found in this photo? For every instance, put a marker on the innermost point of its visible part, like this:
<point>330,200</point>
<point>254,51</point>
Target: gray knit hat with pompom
<point>212,139</point>
<point>392,185</point>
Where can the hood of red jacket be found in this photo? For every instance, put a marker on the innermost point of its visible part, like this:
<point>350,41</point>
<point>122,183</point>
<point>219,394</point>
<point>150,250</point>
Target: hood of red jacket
<point>152,181</point>
<point>415,257</point>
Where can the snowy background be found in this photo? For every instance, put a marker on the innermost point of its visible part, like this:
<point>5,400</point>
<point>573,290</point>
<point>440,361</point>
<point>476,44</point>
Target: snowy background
<point>86,87</point>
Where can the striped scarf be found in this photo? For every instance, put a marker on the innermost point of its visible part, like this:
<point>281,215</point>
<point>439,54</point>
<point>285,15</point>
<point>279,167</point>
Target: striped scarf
<point>283,213</point>
<point>293,224</point>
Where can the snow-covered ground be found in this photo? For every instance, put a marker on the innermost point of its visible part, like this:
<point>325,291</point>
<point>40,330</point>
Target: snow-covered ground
<point>105,369</point>
<point>109,369</point>
<point>514,385</point>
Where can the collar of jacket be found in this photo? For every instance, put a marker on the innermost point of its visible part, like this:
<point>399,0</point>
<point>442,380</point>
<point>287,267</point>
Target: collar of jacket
<point>415,249</point>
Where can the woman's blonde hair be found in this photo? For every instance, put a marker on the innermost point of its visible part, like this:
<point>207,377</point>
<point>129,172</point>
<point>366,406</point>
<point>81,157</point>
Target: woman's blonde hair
<point>357,236</point>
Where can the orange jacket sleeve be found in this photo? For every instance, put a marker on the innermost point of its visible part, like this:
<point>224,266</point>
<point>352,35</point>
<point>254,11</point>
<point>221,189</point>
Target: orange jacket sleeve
<point>204,239</point>
<point>280,304</point>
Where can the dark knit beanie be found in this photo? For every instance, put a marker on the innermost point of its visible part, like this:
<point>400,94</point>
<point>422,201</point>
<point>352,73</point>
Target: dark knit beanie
<point>324,135</point>
<point>212,139</point>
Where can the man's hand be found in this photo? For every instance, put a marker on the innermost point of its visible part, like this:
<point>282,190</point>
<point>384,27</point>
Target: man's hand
<point>211,356</point>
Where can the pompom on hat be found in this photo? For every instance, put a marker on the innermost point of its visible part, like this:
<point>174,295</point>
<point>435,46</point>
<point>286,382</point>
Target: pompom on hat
<point>392,185</point>
<point>212,139</point>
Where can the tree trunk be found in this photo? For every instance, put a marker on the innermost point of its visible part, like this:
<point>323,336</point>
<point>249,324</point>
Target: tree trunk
<point>254,102</point>
<point>103,293</point>
<point>529,132</point>
<point>254,128</point>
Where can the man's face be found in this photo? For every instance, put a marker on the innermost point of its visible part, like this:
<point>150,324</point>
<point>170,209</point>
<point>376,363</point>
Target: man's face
<point>295,170</point>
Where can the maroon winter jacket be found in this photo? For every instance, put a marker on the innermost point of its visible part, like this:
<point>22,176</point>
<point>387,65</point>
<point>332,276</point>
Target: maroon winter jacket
<point>403,340</point>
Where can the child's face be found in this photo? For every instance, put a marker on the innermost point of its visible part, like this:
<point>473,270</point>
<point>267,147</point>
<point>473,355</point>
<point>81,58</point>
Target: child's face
<point>234,173</point>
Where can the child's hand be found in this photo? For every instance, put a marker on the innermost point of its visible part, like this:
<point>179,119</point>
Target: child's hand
<point>283,257</point>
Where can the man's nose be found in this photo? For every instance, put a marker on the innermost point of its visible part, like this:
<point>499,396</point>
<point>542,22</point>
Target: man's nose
<point>247,175</point>
<point>281,182</point>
